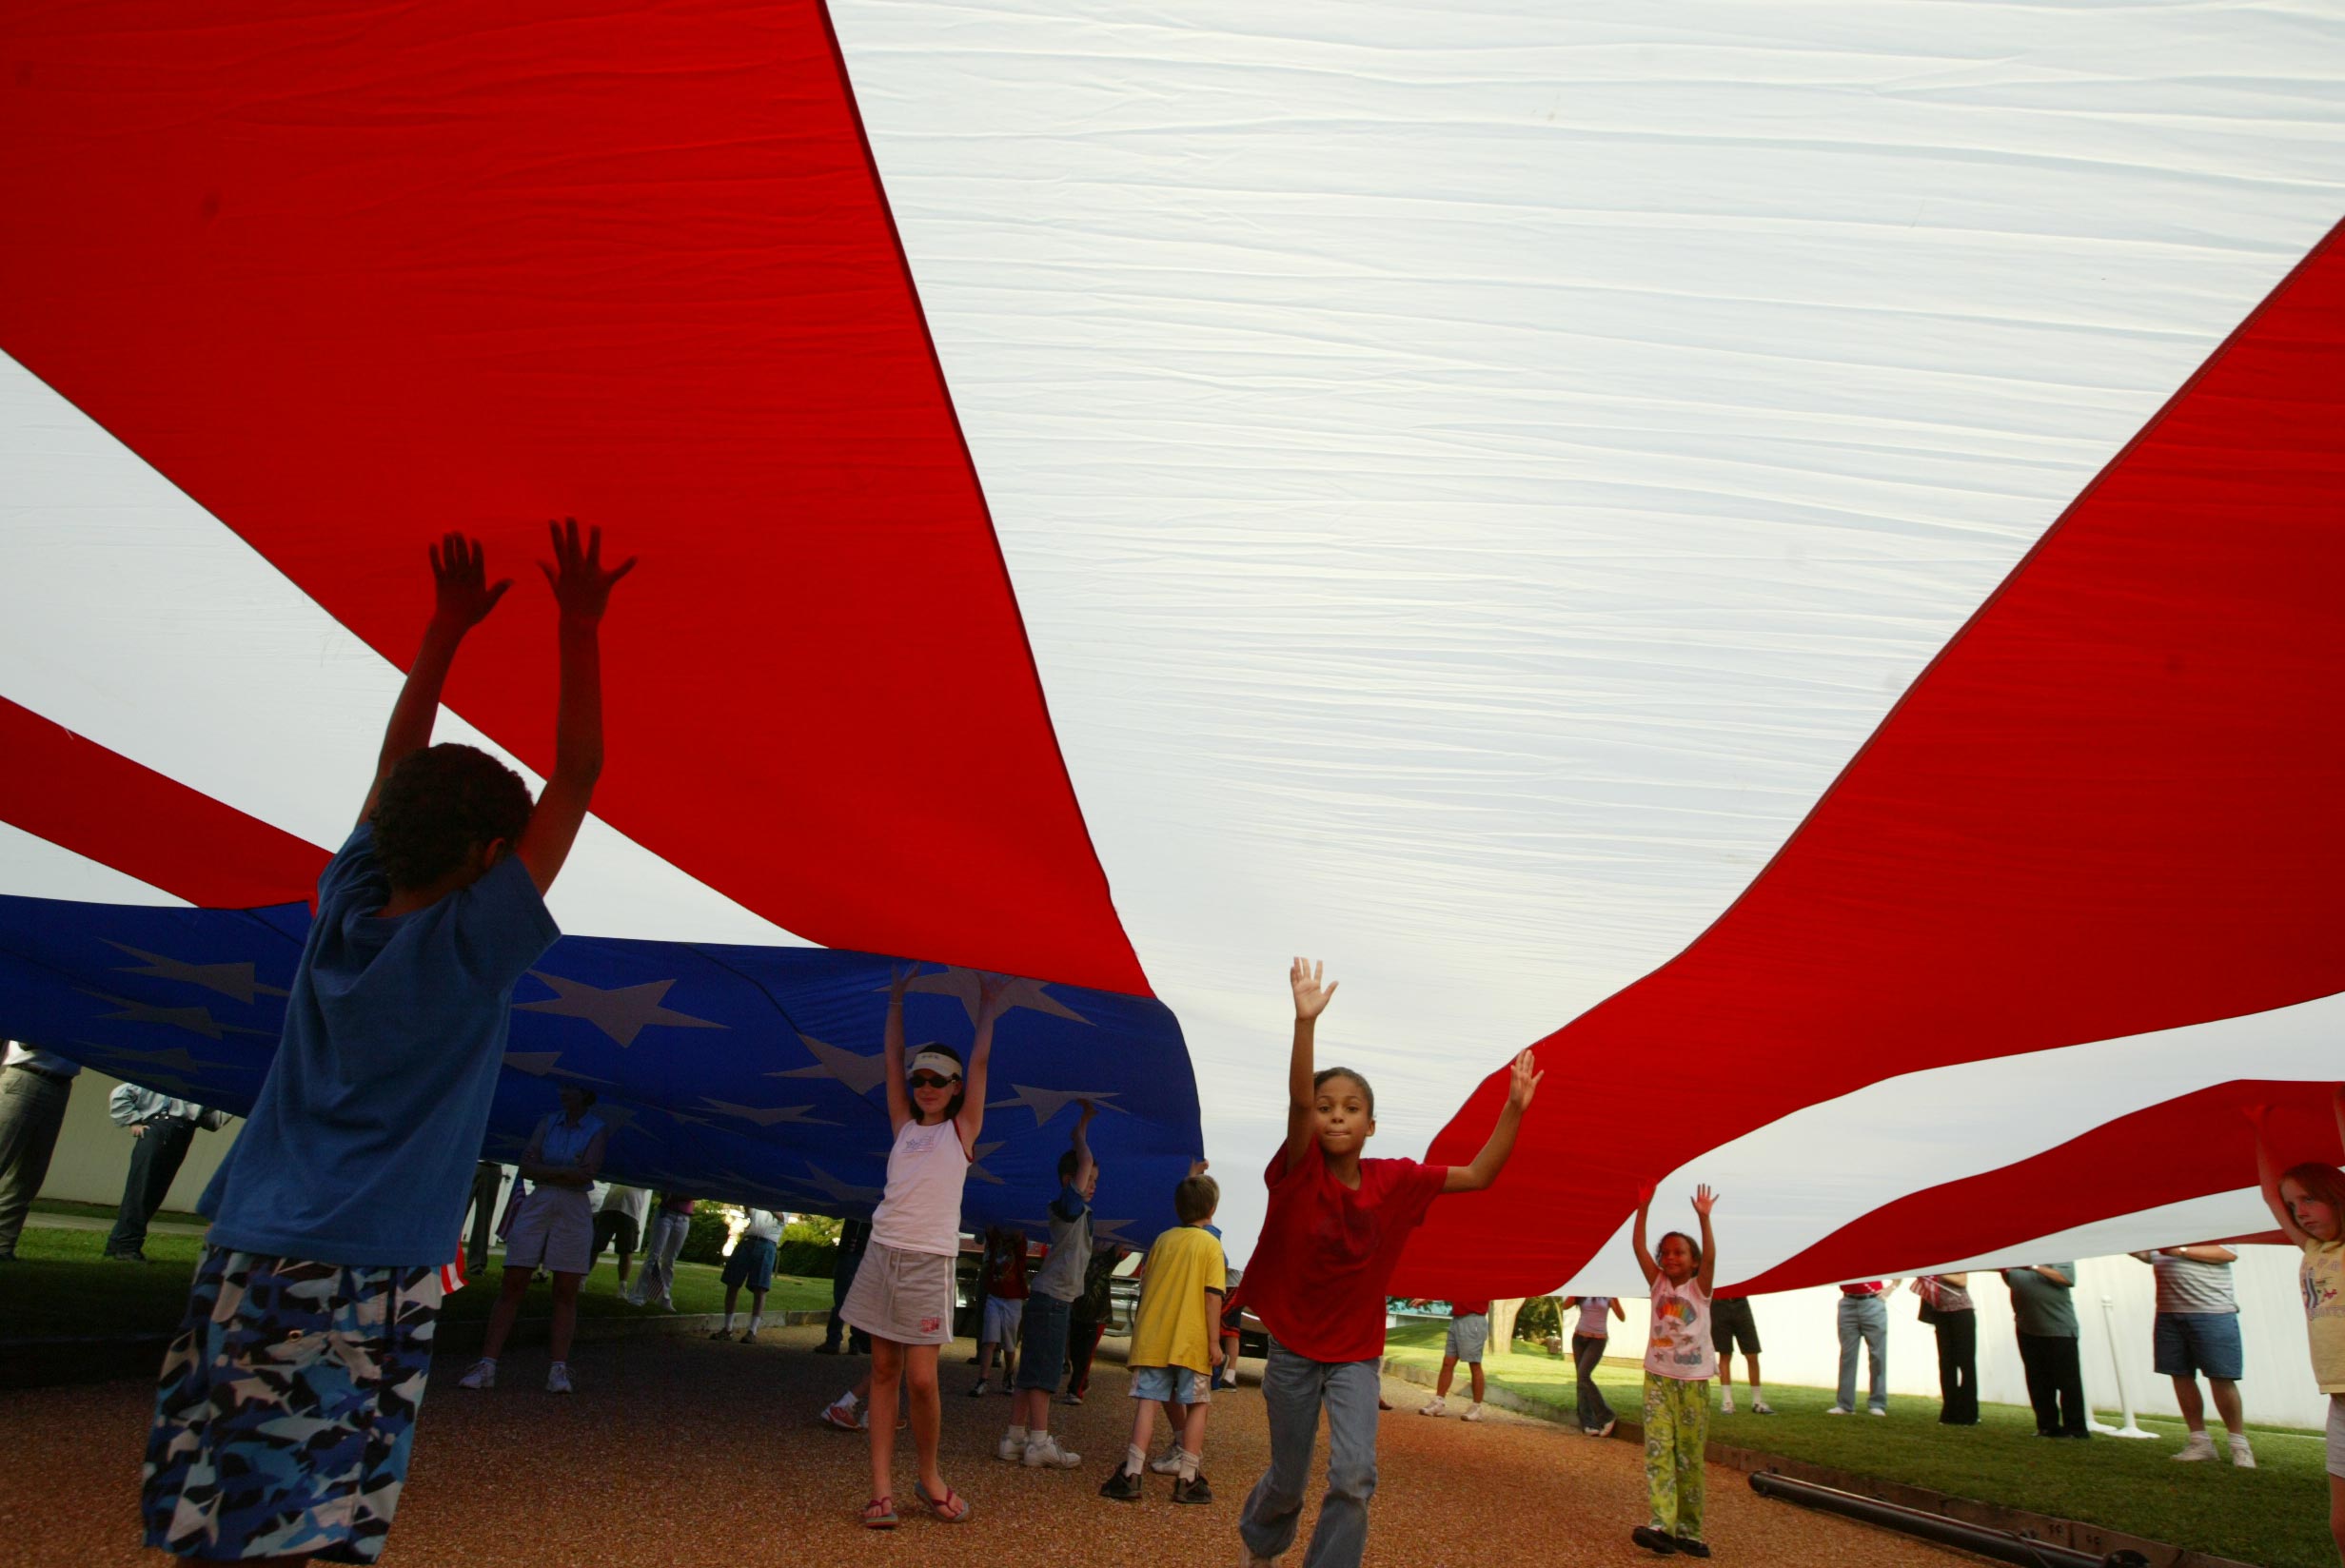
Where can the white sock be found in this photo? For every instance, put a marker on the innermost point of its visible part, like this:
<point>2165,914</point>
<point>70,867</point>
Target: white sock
<point>849,1399</point>
<point>1189,1464</point>
<point>490,1362</point>
<point>1136,1460</point>
<point>1015,1434</point>
<point>559,1366</point>
<point>755,1319</point>
<point>728,1323</point>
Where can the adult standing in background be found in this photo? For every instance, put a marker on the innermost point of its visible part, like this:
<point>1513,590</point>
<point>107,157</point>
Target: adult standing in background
<point>35,1085</point>
<point>752,1264</point>
<point>2198,1330</point>
<point>1864,1321</point>
<point>619,1222</point>
<point>553,1229</point>
<point>1947,1308</point>
<point>164,1125</point>
<point>1589,1337</point>
<point>854,1236</point>
<point>1732,1323</point>
<point>656,1280</point>
<point>2046,1320</point>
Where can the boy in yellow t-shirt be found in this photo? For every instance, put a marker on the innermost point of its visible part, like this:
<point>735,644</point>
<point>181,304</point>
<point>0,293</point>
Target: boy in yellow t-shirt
<point>1177,1341</point>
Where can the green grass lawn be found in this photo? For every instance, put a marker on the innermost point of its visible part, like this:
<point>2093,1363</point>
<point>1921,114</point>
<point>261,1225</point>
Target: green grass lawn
<point>2276,1514</point>
<point>60,1284</point>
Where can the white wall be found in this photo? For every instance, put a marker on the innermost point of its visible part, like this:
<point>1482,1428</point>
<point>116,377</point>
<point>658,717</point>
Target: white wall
<point>1799,1329</point>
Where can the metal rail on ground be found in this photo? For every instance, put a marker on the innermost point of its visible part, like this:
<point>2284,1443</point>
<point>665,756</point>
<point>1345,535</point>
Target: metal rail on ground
<point>1998,1545</point>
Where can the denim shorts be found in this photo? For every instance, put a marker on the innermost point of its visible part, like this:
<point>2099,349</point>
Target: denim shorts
<point>1180,1385</point>
<point>2189,1343</point>
<point>1042,1343</point>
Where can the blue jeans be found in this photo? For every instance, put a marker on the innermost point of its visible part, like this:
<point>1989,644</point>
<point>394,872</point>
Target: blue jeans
<point>1866,1319</point>
<point>1294,1390</point>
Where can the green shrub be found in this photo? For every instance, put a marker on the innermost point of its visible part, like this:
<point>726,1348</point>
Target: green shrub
<point>1541,1315</point>
<point>807,1260</point>
<point>704,1243</point>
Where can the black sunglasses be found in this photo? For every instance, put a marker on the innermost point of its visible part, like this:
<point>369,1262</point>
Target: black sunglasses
<point>929,1080</point>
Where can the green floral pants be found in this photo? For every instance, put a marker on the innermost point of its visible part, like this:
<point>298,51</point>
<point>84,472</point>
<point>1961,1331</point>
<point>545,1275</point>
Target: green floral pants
<point>1677,1428</point>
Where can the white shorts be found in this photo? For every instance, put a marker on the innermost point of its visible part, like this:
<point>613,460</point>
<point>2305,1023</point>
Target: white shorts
<point>554,1227</point>
<point>1002,1321</point>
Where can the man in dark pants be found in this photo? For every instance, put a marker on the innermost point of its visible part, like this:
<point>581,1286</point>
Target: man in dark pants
<point>2047,1326</point>
<point>164,1126</point>
<point>487,1183</point>
<point>854,1235</point>
<point>1947,1306</point>
<point>35,1085</point>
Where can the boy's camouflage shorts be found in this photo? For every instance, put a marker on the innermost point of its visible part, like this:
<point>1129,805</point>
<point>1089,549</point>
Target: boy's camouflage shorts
<point>286,1408</point>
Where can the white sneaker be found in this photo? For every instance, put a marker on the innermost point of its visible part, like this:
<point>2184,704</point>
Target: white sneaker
<point>1170,1464</point>
<point>1605,1430</point>
<point>2241,1455</point>
<point>1761,1407</point>
<point>484,1375</point>
<point>1043,1451</point>
<point>1875,1410</point>
<point>1012,1447</point>
<point>1473,1412</point>
<point>1839,1410</point>
<point>844,1417</point>
<point>2197,1446</point>
<point>1434,1407</point>
<point>557,1381</point>
<point>983,1388</point>
<point>1725,1402</point>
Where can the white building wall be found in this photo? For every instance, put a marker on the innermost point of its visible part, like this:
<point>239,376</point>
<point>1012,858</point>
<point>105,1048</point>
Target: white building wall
<point>93,1155</point>
<point>1798,1330</point>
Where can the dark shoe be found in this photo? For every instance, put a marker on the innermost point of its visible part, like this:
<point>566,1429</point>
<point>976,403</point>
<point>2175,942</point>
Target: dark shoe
<point>1691,1547</point>
<point>1654,1541</point>
<point>1192,1491</point>
<point>720,1333</point>
<point>1123,1486</point>
<point>828,1347</point>
<point>127,1257</point>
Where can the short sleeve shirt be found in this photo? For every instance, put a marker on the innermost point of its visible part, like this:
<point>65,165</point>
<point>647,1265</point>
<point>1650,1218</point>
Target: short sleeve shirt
<point>2322,1278</point>
<point>1470,1309</point>
<point>1318,1274</point>
<point>1177,1324</point>
<point>360,1148</point>
<point>2188,1285</point>
<point>1594,1310</point>
<point>2040,1308</point>
<point>1061,1274</point>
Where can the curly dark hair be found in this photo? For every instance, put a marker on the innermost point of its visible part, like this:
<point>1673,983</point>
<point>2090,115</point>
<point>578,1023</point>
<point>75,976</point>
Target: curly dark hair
<point>436,804</point>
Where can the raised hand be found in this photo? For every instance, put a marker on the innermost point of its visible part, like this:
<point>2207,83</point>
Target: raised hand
<point>1705,1199</point>
<point>1525,1084</point>
<point>461,595</point>
<point>901,980</point>
<point>581,587</point>
<point>1090,1110</point>
<point>993,995</point>
<point>1311,996</point>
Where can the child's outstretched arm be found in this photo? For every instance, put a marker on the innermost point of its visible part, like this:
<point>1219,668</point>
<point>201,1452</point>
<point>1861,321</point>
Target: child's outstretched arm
<point>462,598</point>
<point>1705,1199</point>
<point>1619,1311</point>
<point>1492,1158</point>
<point>2268,1176</point>
<point>993,993</point>
<point>1313,992</point>
<point>892,1048</point>
<point>1081,1142</point>
<point>582,590</point>
<point>1636,1239</point>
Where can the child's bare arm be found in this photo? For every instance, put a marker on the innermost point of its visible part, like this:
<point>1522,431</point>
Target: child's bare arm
<point>1704,1201</point>
<point>582,590</point>
<point>1083,1162</point>
<point>892,1048</point>
<point>1636,1239</point>
<point>993,994</point>
<point>1313,992</point>
<point>1213,1325</point>
<point>2268,1177</point>
<point>1492,1158</point>
<point>462,598</point>
<point>1619,1311</point>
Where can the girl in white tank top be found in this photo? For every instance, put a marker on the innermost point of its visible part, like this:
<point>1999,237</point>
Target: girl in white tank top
<point>1678,1366</point>
<point>902,1294</point>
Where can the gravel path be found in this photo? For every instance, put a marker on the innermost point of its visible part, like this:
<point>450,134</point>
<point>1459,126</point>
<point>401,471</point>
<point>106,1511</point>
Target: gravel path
<point>687,1451</point>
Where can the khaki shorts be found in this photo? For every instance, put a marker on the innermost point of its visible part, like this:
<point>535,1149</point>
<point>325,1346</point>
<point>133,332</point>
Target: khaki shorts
<point>555,1227</point>
<point>902,1296</point>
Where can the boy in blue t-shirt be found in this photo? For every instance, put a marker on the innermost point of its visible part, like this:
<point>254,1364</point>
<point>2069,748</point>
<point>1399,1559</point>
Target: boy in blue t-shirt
<point>287,1402</point>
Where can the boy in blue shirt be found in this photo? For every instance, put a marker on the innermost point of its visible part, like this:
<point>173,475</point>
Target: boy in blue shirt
<point>287,1407</point>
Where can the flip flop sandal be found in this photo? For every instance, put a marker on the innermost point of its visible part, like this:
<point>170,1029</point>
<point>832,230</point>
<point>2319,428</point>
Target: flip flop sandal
<point>879,1514</point>
<point>952,1508</point>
